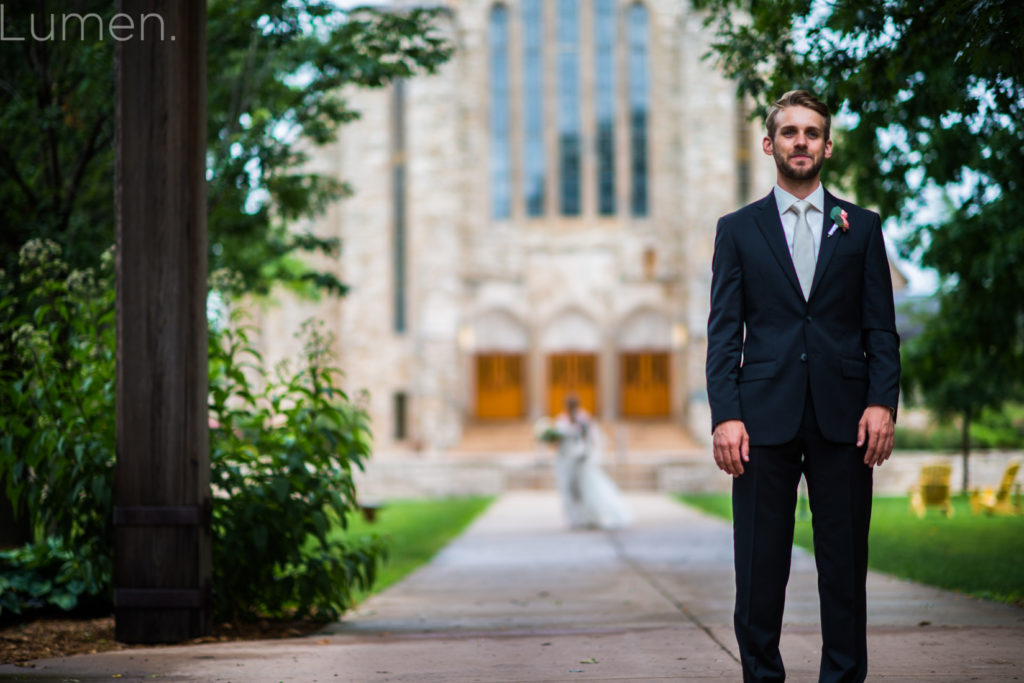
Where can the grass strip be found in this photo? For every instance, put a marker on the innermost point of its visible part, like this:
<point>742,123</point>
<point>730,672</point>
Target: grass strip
<point>414,531</point>
<point>977,555</point>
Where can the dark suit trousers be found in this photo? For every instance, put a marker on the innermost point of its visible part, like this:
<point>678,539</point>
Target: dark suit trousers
<point>764,505</point>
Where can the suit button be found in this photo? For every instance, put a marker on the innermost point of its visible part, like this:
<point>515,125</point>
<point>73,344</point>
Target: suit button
<point>809,318</point>
<point>803,357</point>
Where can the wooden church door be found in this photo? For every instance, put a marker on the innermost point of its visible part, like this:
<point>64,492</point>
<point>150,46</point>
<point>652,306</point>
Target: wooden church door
<point>499,386</point>
<point>645,384</point>
<point>572,373</point>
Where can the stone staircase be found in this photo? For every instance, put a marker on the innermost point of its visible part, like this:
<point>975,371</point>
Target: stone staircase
<point>500,456</point>
<point>516,436</point>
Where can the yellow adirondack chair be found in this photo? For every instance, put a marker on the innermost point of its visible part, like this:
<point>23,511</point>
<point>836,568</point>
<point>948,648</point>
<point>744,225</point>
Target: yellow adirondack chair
<point>1004,500</point>
<point>932,489</point>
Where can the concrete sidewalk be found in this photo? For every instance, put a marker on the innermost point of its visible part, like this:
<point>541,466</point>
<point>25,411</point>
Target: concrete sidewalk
<point>519,598</point>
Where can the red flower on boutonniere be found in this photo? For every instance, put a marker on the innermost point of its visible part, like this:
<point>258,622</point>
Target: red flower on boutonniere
<point>839,220</point>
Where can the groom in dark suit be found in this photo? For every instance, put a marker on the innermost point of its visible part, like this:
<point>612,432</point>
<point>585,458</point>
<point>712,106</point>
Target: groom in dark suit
<point>803,379</point>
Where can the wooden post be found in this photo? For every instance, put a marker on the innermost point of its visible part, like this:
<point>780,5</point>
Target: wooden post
<point>162,480</point>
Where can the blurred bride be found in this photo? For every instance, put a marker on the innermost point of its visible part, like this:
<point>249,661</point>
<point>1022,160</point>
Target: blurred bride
<point>590,498</point>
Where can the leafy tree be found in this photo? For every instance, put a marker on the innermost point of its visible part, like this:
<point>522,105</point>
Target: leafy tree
<point>275,79</point>
<point>946,374</point>
<point>276,70</point>
<point>930,95</point>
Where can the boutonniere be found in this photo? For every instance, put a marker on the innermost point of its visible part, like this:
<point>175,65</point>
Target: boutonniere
<point>839,220</point>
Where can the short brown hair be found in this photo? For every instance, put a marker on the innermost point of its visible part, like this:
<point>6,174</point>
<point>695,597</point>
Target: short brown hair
<point>797,98</point>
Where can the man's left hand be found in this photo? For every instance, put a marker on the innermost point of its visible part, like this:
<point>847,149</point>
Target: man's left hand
<point>876,428</point>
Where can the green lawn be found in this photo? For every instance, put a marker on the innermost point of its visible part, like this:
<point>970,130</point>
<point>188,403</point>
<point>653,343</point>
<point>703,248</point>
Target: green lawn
<point>414,530</point>
<point>982,556</point>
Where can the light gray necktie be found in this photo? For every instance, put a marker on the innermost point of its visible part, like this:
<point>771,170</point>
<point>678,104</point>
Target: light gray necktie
<point>804,257</point>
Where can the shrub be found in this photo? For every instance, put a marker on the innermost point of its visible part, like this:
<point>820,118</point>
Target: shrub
<point>283,446</point>
<point>50,574</point>
<point>57,446</point>
<point>282,459</point>
<point>1002,429</point>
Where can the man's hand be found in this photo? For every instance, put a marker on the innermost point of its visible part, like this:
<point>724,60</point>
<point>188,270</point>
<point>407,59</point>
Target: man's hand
<point>876,427</point>
<point>732,446</point>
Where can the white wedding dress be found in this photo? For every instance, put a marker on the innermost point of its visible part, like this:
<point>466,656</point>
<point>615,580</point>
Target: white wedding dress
<point>590,498</point>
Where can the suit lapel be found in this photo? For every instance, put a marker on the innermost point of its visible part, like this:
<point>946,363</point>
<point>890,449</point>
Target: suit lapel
<point>828,244</point>
<point>770,225</point>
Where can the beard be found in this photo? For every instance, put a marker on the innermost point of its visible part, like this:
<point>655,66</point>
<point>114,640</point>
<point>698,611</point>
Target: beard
<point>796,173</point>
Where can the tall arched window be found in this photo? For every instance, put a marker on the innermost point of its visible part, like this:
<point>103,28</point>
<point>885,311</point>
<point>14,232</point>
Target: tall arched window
<point>604,103</point>
<point>639,105</point>
<point>534,171</point>
<point>501,156</point>
<point>569,107</point>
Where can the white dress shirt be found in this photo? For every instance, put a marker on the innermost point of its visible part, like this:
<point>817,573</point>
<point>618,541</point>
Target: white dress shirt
<point>815,215</point>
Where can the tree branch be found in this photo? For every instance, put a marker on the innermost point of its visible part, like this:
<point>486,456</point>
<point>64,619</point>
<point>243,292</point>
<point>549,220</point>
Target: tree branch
<point>92,146</point>
<point>8,164</point>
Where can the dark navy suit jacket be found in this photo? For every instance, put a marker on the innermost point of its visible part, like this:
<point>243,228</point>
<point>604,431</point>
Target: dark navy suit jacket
<point>767,345</point>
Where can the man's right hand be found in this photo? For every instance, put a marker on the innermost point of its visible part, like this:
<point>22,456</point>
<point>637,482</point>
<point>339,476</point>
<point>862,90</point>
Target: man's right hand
<point>732,446</point>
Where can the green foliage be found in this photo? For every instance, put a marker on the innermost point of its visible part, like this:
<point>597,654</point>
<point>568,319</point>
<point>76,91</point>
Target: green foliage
<point>282,454</point>
<point>1003,429</point>
<point>49,573</point>
<point>283,450</point>
<point>413,532</point>
<point>275,74</point>
<point>57,433</point>
<point>977,555</point>
<point>940,437</point>
<point>56,138</point>
<point>1000,429</point>
<point>931,96</point>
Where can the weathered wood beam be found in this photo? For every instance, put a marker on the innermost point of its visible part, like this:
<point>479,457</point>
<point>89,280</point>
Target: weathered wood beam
<point>162,480</point>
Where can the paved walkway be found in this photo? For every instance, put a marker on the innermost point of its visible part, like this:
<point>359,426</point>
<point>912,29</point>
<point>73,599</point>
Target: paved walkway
<point>518,598</point>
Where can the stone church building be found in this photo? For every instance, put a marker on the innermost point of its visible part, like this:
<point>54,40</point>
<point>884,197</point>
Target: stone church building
<point>534,221</point>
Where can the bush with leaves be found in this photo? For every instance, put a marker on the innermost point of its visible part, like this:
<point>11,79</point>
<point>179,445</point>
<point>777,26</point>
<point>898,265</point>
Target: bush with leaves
<point>57,434</point>
<point>282,452</point>
<point>48,573</point>
<point>284,445</point>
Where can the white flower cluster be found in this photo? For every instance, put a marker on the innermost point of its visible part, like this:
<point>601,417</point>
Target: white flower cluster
<point>29,341</point>
<point>40,257</point>
<point>37,251</point>
<point>81,282</point>
<point>224,280</point>
<point>107,259</point>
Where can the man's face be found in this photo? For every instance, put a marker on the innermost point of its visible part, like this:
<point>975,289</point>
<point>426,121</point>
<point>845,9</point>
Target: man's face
<point>799,147</point>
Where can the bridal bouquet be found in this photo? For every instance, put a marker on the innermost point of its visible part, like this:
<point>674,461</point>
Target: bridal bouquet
<point>544,430</point>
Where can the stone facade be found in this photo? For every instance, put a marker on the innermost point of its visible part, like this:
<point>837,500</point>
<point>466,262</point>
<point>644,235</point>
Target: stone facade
<point>418,161</point>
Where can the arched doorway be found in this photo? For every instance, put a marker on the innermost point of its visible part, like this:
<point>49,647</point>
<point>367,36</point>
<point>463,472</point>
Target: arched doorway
<point>570,343</point>
<point>645,377</point>
<point>499,366</point>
